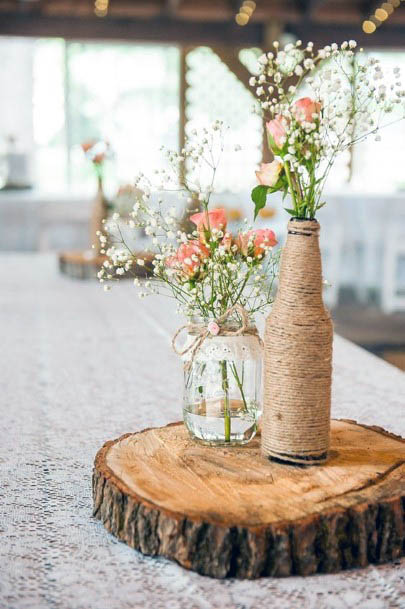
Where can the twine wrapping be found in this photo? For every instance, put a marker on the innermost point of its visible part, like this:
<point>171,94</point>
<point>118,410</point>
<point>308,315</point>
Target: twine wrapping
<point>202,332</point>
<point>298,355</point>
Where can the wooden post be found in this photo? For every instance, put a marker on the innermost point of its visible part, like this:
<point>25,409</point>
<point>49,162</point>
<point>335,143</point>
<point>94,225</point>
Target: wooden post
<point>182,104</point>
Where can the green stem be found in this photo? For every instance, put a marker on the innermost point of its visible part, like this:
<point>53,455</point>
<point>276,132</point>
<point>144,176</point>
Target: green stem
<point>290,184</point>
<point>239,383</point>
<point>227,414</point>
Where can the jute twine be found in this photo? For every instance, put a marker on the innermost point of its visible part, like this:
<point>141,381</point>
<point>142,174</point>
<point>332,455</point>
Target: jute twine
<point>298,355</point>
<point>202,332</point>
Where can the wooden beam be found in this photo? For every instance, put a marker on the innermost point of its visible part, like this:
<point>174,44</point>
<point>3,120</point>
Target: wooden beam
<point>162,29</point>
<point>387,36</point>
<point>210,11</point>
<point>171,7</point>
<point>182,104</point>
<point>311,7</point>
<point>178,31</point>
<point>230,57</point>
<point>368,7</point>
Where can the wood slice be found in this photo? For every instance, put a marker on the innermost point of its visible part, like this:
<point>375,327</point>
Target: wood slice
<point>86,264</point>
<point>80,264</point>
<point>229,512</point>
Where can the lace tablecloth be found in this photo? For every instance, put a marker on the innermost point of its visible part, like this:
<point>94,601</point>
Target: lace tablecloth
<point>79,367</point>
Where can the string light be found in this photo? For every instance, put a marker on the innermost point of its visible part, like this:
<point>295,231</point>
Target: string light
<point>242,18</point>
<point>388,7</point>
<point>101,8</point>
<point>245,12</point>
<point>381,14</point>
<point>369,27</point>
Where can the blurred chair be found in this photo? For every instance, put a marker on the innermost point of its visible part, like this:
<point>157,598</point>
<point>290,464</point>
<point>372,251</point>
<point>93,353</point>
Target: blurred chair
<point>393,276</point>
<point>351,208</point>
<point>63,225</point>
<point>332,248</point>
<point>372,220</point>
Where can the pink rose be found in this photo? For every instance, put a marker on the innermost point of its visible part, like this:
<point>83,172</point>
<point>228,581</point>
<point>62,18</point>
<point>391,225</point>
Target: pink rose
<point>227,241</point>
<point>254,242</point>
<point>304,109</point>
<point>172,262</point>
<point>214,218</point>
<point>277,128</point>
<point>189,258</point>
<point>269,172</point>
<point>213,328</point>
<point>206,221</point>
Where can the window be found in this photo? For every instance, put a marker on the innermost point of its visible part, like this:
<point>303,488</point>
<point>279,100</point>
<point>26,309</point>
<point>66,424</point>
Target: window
<point>379,166</point>
<point>129,94</point>
<point>124,93</point>
<point>214,92</point>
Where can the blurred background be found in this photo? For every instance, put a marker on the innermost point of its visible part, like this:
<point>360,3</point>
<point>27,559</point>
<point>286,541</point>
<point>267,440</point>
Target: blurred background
<point>140,74</point>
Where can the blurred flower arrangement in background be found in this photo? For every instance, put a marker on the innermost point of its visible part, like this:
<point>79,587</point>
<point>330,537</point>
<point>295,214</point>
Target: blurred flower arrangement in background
<point>347,101</point>
<point>97,151</point>
<point>207,270</point>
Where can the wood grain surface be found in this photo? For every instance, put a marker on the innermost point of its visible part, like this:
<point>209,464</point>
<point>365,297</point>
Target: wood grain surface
<point>229,512</point>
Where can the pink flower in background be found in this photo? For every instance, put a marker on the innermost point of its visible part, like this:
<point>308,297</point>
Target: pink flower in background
<point>96,151</point>
<point>188,259</point>
<point>277,128</point>
<point>254,241</point>
<point>214,218</point>
<point>269,172</point>
<point>87,145</point>
<point>304,109</point>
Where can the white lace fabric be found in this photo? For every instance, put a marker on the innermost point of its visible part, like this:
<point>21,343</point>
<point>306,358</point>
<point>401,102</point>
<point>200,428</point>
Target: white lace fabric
<point>228,348</point>
<point>79,367</point>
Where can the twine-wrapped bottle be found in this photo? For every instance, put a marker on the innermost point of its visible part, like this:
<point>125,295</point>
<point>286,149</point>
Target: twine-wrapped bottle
<point>298,355</point>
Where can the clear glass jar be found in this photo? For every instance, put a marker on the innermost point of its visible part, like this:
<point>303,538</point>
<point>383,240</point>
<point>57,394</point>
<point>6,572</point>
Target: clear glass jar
<point>223,387</point>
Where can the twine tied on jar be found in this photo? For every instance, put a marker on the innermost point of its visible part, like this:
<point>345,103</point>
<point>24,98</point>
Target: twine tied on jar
<point>214,328</point>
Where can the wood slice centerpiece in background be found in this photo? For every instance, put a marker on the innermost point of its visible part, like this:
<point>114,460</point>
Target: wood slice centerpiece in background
<point>232,513</point>
<point>86,264</point>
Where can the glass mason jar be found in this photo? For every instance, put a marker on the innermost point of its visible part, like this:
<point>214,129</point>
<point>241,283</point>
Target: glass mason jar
<point>223,386</point>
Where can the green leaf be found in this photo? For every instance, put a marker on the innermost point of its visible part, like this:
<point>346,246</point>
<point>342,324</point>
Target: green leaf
<point>292,212</point>
<point>259,195</point>
<point>279,185</point>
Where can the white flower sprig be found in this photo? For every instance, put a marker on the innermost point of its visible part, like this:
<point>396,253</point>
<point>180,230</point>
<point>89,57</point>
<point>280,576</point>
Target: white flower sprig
<point>206,269</point>
<point>346,100</point>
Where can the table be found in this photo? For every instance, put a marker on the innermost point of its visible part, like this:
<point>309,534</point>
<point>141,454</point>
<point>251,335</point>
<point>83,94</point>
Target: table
<point>80,366</point>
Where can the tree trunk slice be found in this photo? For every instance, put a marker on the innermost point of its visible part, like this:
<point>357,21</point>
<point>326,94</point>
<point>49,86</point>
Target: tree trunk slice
<point>229,512</point>
<point>86,265</point>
